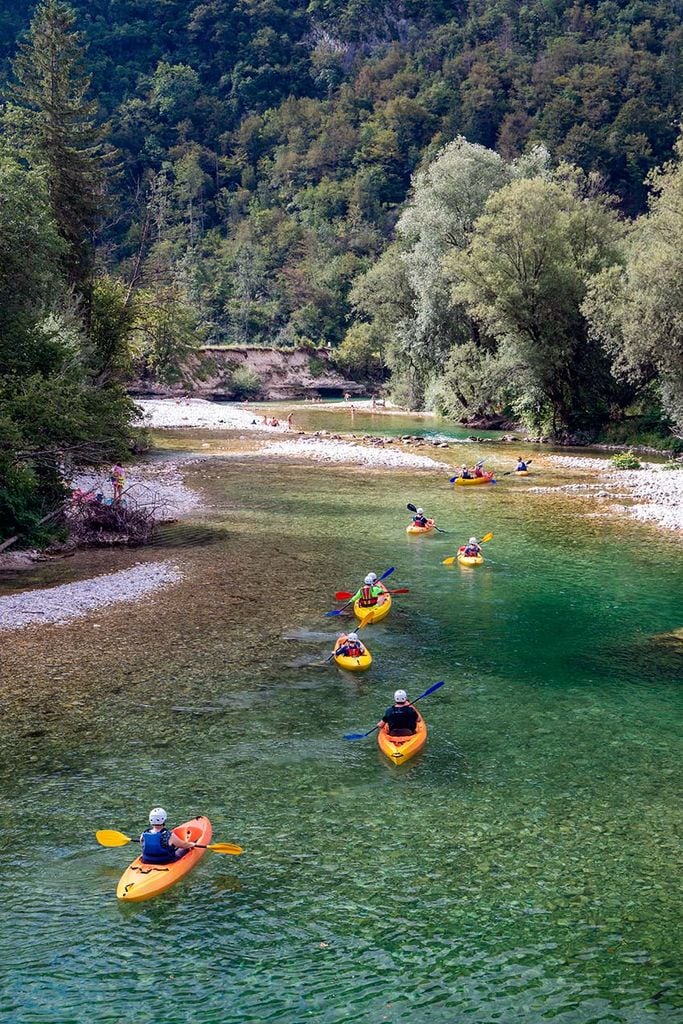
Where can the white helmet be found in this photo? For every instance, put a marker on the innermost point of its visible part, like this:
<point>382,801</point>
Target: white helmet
<point>353,637</point>
<point>420,511</point>
<point>370,579</point>
<point>400,697</point>
<point>157,816</point>
<point>473,540</point>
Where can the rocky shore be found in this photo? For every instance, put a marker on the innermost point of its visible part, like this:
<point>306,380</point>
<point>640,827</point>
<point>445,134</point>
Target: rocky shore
<point>73,600</point>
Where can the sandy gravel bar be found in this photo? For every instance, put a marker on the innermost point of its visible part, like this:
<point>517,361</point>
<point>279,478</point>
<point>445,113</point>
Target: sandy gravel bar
<point>343,452</point>
<point>158,413</point>
<point>656,492</point>
<point>73,600</point>
<point>160,485</point>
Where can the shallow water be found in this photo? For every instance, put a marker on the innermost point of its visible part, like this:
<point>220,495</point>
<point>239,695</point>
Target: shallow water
<point>525,867</point>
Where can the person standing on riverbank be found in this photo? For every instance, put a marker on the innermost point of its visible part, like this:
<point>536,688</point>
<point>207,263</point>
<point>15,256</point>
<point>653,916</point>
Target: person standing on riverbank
<point>118,480</point>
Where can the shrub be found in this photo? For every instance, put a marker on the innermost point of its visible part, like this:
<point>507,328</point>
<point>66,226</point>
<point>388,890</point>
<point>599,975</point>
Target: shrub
<point>625,460</point>
<point>245,382</point>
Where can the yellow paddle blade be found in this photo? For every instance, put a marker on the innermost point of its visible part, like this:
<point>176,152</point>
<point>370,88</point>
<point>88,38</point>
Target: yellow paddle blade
<point>488,536</point>
<point>225,848</point>
<point>110,837</point>
<point>449,561</point>
<point>370,617</point>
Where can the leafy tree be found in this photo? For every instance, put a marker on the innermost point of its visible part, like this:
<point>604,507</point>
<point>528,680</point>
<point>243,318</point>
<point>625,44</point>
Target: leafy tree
<point>523,278</point>
<point>635,308</point>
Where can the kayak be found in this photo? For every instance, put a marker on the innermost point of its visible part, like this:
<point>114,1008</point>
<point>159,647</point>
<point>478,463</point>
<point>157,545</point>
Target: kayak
<point>470,559</point>
<point>487,478</point>
<point>401,748</point>
<point>358,664</point>
<point>521,472</point>
<point>381,611</point>
<point>141,881</point>
<point>416,530</point>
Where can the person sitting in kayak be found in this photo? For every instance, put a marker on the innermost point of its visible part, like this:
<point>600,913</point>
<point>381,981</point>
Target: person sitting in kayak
<point>472,549</point>
<point>420,519</point>
<point>465,473</point>
<point>401,718</point>
<point>521,465</point>
<point>371,594</point>
<point>478,471</point>
<point>351,648</point>
<point>158,845</point>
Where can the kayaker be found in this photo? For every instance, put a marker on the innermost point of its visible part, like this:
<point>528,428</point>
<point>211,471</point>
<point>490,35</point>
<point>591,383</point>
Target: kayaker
<point>158,845</point>
<point>521,465</point>
<point>371,594</point>
<point>351,648</point>
<point>478,471</point>
<point>420,519</point>
<point>401,718</point>
<point>465,473</point>
<point>472,549</point>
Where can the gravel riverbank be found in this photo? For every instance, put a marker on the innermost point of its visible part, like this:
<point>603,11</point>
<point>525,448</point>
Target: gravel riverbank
<point>73,600</point>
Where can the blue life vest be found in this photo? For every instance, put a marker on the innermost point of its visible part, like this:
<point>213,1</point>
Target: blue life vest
<point>156,848</point>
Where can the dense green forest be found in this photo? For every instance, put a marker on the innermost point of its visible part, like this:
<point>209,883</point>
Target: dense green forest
<point>484,197</point>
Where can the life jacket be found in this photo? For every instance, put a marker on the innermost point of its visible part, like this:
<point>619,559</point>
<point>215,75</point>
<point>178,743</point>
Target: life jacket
<point>478,471</point>
<point>471,550</point>
<point>156,848</point>
<point>521,468</point>
<point>366,599</point>
<point>354,650</point>
<point>403,717</point>
<point>420,520</point>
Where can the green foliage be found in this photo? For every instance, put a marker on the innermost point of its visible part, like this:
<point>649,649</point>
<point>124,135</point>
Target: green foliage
<point>165,330</point>
<point>245,382</point>
<point>360,354</point>
<point>626,460</point>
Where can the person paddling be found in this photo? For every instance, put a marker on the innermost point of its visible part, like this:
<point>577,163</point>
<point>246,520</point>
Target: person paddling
<point>472,549</point>
<point>351,646</point>
<point>158,845</point>
<point>401,718</point>
<point>464,472</point>
<point>420,519</point>
<point>521,466</point>
<point>372,593</point>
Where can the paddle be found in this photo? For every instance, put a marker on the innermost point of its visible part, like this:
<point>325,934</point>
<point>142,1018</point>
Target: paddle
<point>338,611</point>
<point>361,625</point>
<point>110,837</point>
<point>476,465</point>
<point>449,561</point>
<point>362,735</point>
<point>412,508</point>
<point>511,471</point>
<point>344,595</point>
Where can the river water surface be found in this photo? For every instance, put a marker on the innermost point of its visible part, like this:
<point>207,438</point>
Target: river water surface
<point>526,867</point>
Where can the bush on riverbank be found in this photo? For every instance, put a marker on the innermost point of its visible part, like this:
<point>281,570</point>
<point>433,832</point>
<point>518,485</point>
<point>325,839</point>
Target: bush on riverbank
<point>626,460</point>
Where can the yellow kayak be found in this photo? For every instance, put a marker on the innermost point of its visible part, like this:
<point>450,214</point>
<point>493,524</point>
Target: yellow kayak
<point>473,481</point>
<point>470,559</point>
<point>381,610</point>
<point>359,664</point>
<point>401,748</point>
<point>521,472</point>
<point>141,881</point>
<point>415,530</point>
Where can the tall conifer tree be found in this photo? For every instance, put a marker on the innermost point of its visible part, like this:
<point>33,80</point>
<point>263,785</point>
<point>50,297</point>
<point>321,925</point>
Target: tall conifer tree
<point>53,85</point>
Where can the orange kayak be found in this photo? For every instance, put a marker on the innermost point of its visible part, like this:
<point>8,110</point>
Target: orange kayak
<point>413,528</point>
<point>401,748</point>
<point>141,881</point>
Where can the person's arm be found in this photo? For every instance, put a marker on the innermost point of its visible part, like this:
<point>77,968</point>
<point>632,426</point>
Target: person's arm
<point>183,844</point>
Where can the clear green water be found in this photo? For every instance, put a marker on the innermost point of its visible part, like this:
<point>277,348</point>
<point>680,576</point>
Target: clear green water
<point>526,867</point>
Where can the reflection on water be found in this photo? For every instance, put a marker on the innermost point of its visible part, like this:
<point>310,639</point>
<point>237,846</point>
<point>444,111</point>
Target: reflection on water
<point>523,868</point>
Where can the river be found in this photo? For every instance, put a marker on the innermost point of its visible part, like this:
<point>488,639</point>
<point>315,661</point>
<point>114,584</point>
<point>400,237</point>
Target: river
<point>526,867</point>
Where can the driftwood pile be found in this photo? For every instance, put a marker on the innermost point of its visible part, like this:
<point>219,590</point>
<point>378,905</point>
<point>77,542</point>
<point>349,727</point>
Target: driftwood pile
<point>93,523</point>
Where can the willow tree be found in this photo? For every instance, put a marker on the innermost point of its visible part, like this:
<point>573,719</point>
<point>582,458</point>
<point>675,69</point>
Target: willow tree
<point>636,309</point>
<point>524,278</point>
<point>63,138</point>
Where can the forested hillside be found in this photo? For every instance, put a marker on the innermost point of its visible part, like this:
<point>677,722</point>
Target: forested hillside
<point>268,146</point>
<point>483,197</point>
